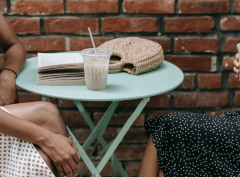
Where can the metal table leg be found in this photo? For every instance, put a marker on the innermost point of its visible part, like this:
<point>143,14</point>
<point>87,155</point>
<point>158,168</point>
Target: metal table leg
<point>97,132</point>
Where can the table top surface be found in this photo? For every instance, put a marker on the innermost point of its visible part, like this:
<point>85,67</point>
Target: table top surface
<point>120,86</point>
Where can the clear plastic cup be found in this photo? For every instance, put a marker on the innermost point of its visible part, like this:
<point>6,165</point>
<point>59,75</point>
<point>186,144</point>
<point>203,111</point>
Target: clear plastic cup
<point>238,47</point>
<point>96,64</point>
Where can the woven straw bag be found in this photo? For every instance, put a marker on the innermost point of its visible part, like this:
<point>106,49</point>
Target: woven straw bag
<point>137,55</point>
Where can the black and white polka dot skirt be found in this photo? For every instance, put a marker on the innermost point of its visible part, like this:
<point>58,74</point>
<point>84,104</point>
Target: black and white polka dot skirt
<point>197,145</point>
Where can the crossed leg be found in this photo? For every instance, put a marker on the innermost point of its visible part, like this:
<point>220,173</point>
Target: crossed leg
<point>45,115</point>
<point>149,164</point>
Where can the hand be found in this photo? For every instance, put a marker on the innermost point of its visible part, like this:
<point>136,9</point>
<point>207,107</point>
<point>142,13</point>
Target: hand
<point>63,153</point>
<point>7,88</point>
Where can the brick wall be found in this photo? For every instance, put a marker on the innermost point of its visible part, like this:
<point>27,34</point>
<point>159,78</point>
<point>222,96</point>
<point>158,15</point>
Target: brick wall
<point>199,36</point>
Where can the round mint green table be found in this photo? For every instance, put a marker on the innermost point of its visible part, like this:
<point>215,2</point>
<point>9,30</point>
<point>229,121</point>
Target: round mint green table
<point>120,86</point>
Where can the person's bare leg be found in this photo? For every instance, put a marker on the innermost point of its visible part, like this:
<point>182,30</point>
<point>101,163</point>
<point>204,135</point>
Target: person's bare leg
<point>149,165</point>
<point>45,115</point>
<point>160,173</point>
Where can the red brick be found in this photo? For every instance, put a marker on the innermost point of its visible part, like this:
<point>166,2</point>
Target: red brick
<point>129,152</point>
<point>218,112</point>
<point>206,45</point>
<point>89,150</point>
<point>161,113</point>
<point>77,44</point>
<point>237,6</point>
<point>3,6</point>
<point>203,6</point>
<point>234,82</point>
<point>73,118</point>
<point>230,44</point>
<point>66,103</point>
<point>188,82</point>
<point>228,63</point>
<point>165,42</point>
<point>42,7</point>
<point>71,25</point>
<point>70,104</point>
<point>133,135</point>
<point>209,81</point>
<point>151,7</point>
<point>194,63</point>
<point>156,114</point>
<point>189,25</point>
<point>132,168</point>
<point>42,44</point>
<point>230,23</point>
<point>107,170</point>
<point>92,6</point>
<point>81,134</point>
<point>237,99</point>
<point>160,101</point>
<point>129,24</point>
<point>31,97</point>
<point>24,25</point>
<point>201,100</point>
<point>120,119</point>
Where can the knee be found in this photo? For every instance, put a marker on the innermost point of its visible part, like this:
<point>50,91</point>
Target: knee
<point>48,107</point>
<point>51,117</point>
<point>47,111</point>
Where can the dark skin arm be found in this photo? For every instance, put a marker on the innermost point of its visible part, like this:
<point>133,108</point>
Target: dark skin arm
<point>56,146</point>
<point>14,58</point>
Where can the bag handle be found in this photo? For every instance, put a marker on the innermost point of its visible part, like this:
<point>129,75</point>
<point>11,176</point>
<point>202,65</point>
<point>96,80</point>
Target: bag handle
<point>115,66</point>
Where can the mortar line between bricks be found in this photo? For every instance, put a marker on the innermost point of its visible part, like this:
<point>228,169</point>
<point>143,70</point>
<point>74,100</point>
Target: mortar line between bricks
<point>159,29</point>
<point>172,46</point>
<point>8,6</point>
<point>196,82</point>
<point>123,15</point>
<point>42,30</point>
<point>120,7</point>
<point>143,34</point>
<point>176,8</point>
<point>162,25</point>
<point>231,5</point>
<point>65,6</point>
<point>100,26</point>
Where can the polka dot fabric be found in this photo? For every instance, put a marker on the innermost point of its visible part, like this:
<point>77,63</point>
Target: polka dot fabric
<point>20,158</point>
<point>190,145</point>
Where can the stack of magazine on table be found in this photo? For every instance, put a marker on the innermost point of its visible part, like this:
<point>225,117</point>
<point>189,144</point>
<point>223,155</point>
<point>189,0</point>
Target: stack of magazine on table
<point>60,69</point>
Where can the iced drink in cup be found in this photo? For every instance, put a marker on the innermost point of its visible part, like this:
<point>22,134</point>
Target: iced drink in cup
<point>96,63</point>
<point>238,47</point>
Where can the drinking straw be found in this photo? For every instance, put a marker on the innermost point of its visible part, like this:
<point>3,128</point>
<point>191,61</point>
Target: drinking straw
<point>92,40</point>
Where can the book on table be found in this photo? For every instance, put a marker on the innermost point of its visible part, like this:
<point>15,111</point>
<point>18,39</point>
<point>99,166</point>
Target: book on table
<point>60,69</point>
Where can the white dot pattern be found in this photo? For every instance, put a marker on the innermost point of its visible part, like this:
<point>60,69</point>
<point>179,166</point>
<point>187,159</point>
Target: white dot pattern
<point>193,144</point>
<point>20,158</point>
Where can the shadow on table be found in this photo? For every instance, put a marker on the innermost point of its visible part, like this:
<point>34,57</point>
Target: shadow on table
<point>115,88</point>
